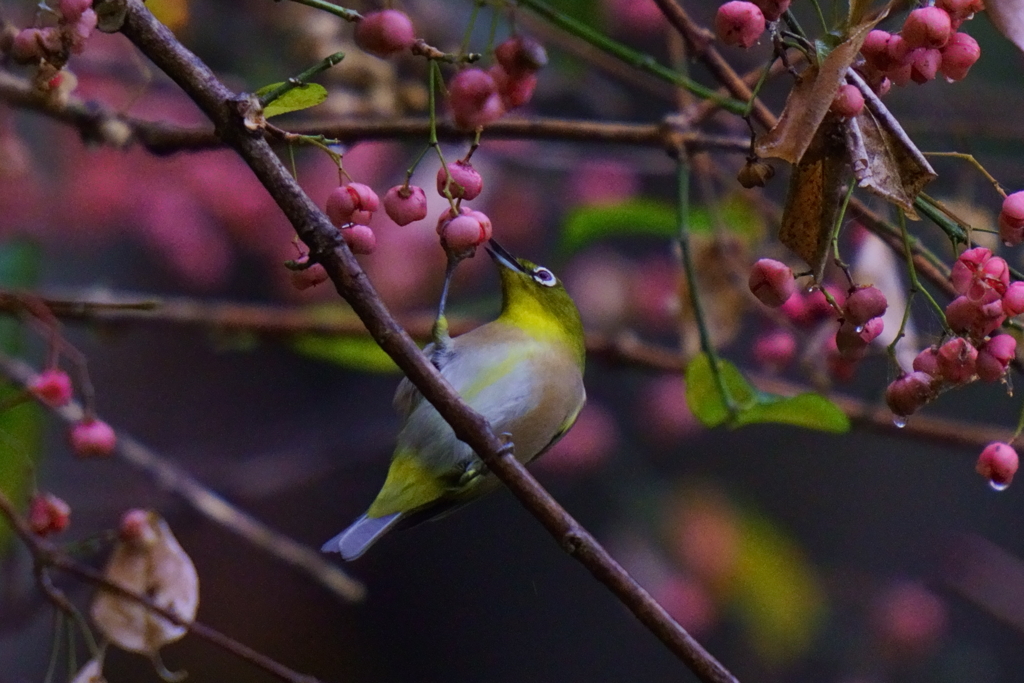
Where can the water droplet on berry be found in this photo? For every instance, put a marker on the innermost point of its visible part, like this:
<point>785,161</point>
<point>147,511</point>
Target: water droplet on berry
<point>1008,243</point>
<point>858,329</point>
<point>899,421</point>
<point>997,485</point>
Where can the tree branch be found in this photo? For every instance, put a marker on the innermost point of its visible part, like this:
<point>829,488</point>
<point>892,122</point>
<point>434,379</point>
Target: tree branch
<point>227,111</point>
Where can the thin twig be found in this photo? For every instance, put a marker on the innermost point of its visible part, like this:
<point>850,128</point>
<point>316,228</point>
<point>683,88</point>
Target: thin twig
<point>327,247</point>
<point>173,478</point>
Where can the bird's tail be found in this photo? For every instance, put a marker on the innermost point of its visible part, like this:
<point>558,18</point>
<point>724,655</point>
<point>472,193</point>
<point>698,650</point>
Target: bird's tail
<point>360,535</point>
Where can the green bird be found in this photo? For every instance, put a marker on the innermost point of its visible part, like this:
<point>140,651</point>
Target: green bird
<point>522,371</point>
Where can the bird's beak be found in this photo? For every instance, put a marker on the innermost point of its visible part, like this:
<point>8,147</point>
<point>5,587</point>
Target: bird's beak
<point>500,255</point>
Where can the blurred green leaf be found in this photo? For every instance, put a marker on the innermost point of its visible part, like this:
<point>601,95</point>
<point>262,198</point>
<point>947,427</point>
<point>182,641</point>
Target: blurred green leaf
<point>811,411</point>
<point>21,426</point>
<point>301,97</point>
<point>653,218</point>
<point>358,353</point>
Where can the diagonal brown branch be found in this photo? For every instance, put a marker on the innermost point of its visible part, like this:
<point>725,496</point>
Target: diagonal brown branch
<point>226,112</point>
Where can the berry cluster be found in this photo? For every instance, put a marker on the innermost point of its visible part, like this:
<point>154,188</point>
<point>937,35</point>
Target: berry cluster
<point>479,97</point>
<point>928,44</point>
<point>48,514</point>
<point>89,437</point>
<point>49,47</point>
<point>740,23</point>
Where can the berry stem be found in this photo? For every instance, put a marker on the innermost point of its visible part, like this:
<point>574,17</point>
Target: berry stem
<point>683,211</point>
<point>969,158</point>
<point>639,60</point>
<point>331,8</point>
<point>58,627</point>
<point>302,79</point>
<point>1020,424</point>
<point>470,25</point>
<point>821,16</point>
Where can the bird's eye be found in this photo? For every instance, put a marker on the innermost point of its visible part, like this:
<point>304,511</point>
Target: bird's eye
<point>545,277</point>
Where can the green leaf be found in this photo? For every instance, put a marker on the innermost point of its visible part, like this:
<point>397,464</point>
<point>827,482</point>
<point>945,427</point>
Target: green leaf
<point>653,218</point>
<point>358,353</point>
<point>21,427</point>
<point>811,411</point>
<point>300,97</point>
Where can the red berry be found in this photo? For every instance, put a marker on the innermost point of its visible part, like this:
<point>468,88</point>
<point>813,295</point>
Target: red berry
<point>1013,300</point>
<point>775,350</point>
<point>956,359</point>
<point>863,304</point>
<point>474,99</point>
<point>998,463</point>
<point>928,361</point>
<point>405,204</point>
<point>771,282</point>
<point>48,514</point>
<point>520,55</point>
<point>959,55</point>
<point>465,233</point>
<point>385,33</point>
<point>513,91</point>
<point>359,238</point>
<point>927,27</point>
<point>465,182</point>
<point>772,9</point>
<point>924,64</point>
<point>308,277</point>
<point>52,387</point>
<point>848,101</point>
<point>93,438</point>
<point>995,356</point>
<point>345,203</point>
<point>909,393</point>
<point>1011,219</point>
<point>739,23</point>
<point>976,318</point>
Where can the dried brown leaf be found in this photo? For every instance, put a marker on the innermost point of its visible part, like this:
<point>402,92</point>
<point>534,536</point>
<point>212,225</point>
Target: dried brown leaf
<point>815,195</point>
<point>810,99</point>
<point>155,566</point>
<point>885,161</point>
<point>1008,17</point>
<point>724,302</point>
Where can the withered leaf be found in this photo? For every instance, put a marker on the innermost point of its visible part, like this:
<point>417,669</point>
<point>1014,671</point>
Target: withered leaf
<point>724,303</point>
<point>815,196</point>
<point>152,564</point>
<point>885,161</point>
<point>810,99</point>
<point>1008,17</point>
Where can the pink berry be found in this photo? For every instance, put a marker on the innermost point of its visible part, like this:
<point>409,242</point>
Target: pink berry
<point>463,233</point>
<point>927,27</point>
<point>1011,219</point>
<point>897,50</point>
<point>928,361</point>
<point>474,99</point>
<point>48,514</point>
<point>995,356</point>
<point>924,64</point>
<point>848,101</point>
<point>901,74</point>
<point>739,23</point>
<point>71,10</point>
<point>308,277</point>
<point>852,341</point>
<point>959,55</point>
<point>998,463</point>
<point>513,91</point>
<point>976,318</point>
<point>775,350</point>
<point>135,528</point>
<point>405,204</point>
<point>82,29</point>
<point>910,392</point>
<point>93,438</point>
<point>771,282</point>
<point>385,33</point>
<point>359,238</point>
<point>957,359</point>
<point>1013,300</point>
<point>967,264</point>
<point>976,272</point>
<point>960,10</point>
<point>772,9</point>
<point>863,304</point>
<point>520,55</point>
<point>29,45</point>
<point>883,87</point>
<point>465,182</point>
<point>876,50</point>
<point>52,387</point>
<point>345,201</point>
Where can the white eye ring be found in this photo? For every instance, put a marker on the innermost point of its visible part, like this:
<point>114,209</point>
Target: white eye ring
<point>543,276</point>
